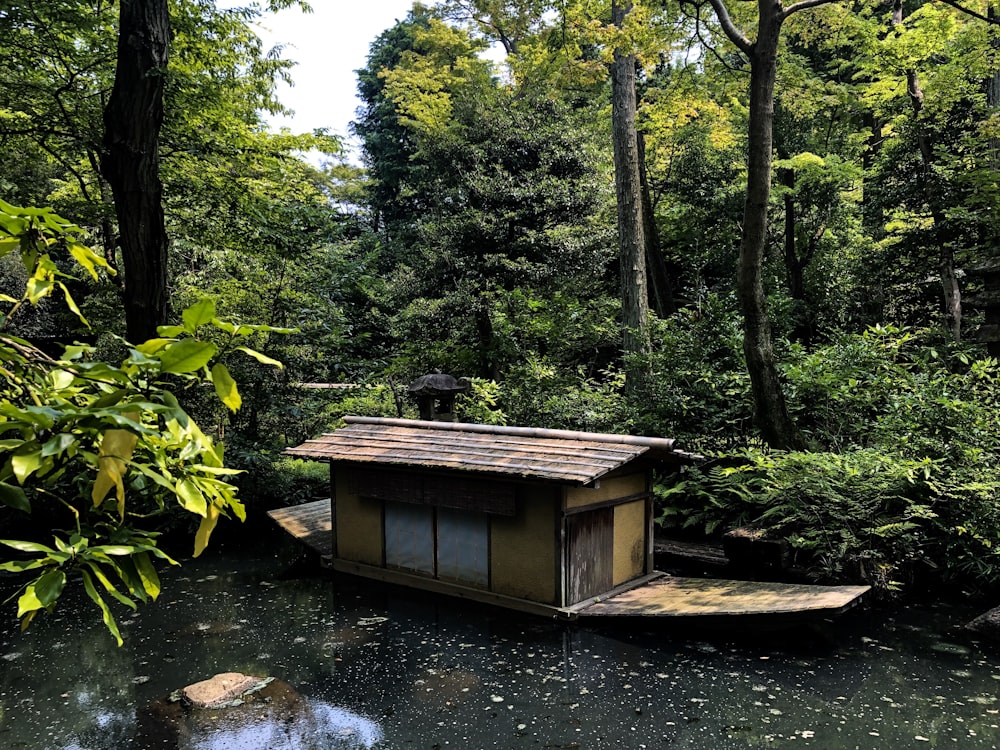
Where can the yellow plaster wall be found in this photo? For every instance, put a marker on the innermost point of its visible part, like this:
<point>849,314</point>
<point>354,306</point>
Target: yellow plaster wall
<point>630,541</point>
<point>523,548</point>
<point>610,489</point>
<point>359,526</point>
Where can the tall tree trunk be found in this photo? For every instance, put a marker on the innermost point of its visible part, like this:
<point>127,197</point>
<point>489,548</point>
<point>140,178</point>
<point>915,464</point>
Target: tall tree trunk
<point>631,242</point>
<point>132,121</point>
<point>771,412</point>
<point>776,424</point>
<point>661,290</point>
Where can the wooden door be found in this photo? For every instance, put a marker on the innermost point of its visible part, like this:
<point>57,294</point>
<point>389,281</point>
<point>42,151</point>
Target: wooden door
<point>589,554</point>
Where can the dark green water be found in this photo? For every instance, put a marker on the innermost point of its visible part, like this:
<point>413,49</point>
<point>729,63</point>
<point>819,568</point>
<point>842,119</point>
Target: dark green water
<point>393,669</point>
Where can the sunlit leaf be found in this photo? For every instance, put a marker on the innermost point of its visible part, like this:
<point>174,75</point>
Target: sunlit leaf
<point>186,355</point>
<point>25,464</point>
<point>116,451</point>
<point>262,358</point>
<point>110,587</point>
<point>225,387</point>
<point>28,546</point>
<point>147,573</point>
<point>200,313</point>
<point>190,497</point>
<point>205,529</point>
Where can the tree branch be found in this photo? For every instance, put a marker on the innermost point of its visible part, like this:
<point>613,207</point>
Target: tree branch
<point>803,5</point>
<point>970,12</point>
<point>732,31</point>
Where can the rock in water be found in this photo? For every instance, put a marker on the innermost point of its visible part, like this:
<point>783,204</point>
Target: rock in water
<point>987,624</point>
<point>216,691</point>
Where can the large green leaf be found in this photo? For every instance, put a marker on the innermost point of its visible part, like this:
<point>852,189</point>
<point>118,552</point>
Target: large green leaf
<point>225,387</point>
<point>150,580</point>
<point>25,464</point>
<point>190,497</point>
<point>42,593</point>
<point>200,313</point>
<point>14,497</point>
<point>186,355</point>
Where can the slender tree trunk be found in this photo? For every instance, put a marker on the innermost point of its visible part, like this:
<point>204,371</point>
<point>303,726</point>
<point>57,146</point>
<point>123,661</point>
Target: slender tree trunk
<point>132,121</point>
<point>771,412</point>
<point>661,290</point>
<point>631,242</point>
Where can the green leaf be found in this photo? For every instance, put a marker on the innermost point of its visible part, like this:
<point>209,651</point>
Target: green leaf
<point>225,387</point>
<point>71,303</point>
<point>88,258</point>
<point>14,497</point>
<point>28,546</point>
<point>42,593</point>
<point>25,464</point>
<point>262,358</point>
<point>58,443</point>
<point>200,313</point>
<point>170,331</point>
<point>109,620</point>
<point>187,355</point>
<point>49,586</point>
<point>150,580</point>
<point>190,497</point>
<point>19,566</point>
<point>152,346</point>
<point>110,587</point>
<point>38,288</point>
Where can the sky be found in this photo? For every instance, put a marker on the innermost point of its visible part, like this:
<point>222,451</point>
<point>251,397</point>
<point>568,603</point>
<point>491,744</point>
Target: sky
<point>328,44</point>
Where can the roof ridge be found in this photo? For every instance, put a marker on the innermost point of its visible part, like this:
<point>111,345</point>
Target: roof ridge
<point>666,444</point>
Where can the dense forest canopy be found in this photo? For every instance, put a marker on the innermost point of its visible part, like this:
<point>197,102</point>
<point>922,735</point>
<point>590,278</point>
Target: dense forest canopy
<point>749,227</point>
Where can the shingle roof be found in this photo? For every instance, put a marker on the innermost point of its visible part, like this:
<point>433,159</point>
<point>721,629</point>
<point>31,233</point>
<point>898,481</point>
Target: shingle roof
<point>524,452</point>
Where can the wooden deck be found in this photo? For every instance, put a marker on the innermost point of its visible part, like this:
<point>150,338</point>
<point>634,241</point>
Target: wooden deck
<point>697,598</point>
<point>310,523</point>
<point>668,597</point>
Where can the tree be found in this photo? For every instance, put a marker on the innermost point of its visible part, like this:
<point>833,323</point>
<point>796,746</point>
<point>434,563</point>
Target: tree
<point>131,164</point>
<point>101,448</point>
<point>629,195</point>
<point>771,412</point>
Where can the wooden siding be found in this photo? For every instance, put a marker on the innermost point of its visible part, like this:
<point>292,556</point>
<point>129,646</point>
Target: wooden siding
<point>524,558</point>
<point>457,490</point>
<point>630,541</point>
<point>358,526</point>
<point>611,488</point>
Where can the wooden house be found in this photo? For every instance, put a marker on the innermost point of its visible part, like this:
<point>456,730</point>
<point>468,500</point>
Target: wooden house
<point>539,520</point>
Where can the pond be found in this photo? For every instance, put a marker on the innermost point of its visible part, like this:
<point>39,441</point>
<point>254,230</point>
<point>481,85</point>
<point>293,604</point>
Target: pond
<point>382,667</point>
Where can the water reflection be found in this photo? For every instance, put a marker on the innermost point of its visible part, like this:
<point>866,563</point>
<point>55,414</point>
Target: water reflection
<point>384,668</point>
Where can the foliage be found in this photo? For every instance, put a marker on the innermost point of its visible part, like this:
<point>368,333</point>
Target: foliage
<point>912,486</point>
<point>101,448</point>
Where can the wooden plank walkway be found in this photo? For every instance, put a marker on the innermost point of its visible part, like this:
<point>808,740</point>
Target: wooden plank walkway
<point>706,597</point>
<point>310,523</point>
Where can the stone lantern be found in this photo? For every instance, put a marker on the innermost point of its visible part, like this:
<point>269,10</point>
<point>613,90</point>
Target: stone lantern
<point>435,396</point>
